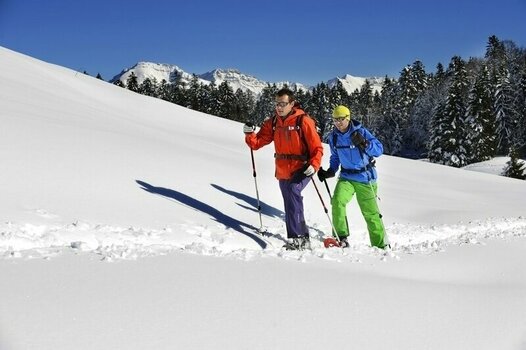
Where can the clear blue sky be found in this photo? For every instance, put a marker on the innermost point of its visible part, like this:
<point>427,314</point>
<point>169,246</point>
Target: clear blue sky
<point>305,41</point>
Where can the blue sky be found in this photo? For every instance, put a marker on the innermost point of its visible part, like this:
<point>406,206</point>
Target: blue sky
<point>296,40</point>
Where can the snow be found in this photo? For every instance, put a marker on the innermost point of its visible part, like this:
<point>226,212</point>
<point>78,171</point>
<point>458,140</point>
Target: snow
<point>129,223</point>
<point>494,166</point>
<point>235,78</point>
<point>351,83</point>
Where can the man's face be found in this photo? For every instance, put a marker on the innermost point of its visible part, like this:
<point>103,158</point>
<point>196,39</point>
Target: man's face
<point>283,105</point>
<point>341,124</point>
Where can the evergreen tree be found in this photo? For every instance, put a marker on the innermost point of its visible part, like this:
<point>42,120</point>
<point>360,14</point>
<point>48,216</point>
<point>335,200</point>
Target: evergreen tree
<point>210,99</point>
<point>244,105</point>
<point>195,94</point>
<point>365,103</point>
<point>481,121</point>
<point>521,109</point>
<point>388,130</point>
<point>448,143</point>
<point>265,107</point>
<point>515,168</point>
<point>119,83</point>
<point>320,108</point>
<point>439,76</point>
<point>495,53</point>
<point>376,111</point>
<point>504,112</point>
<point>417,133</point>
<point>438,127</point>
<point>412,86</point>
<point>148,87</point>
<point>164,90</point>
<point>180,93</point>
<point>338,95</point>
<point>131,83</point>
<point>303,97</point>
<point>99,76</point>
<point>226,101</point>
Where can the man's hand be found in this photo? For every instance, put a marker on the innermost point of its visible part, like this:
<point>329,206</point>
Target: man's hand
<point>249,128</point>
<point>309,171</point>
<point>325,174</point>
<point>359,141</point>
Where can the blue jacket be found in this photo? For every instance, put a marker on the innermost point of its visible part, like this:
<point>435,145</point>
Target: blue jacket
<point>351,159</point>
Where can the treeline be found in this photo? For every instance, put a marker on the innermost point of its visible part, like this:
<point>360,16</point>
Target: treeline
<point>469,112</point>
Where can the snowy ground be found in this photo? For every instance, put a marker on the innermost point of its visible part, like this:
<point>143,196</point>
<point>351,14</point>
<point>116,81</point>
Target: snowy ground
<point>129,223</point>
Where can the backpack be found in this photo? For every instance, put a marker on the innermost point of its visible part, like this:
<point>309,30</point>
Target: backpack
<point>299,123</point>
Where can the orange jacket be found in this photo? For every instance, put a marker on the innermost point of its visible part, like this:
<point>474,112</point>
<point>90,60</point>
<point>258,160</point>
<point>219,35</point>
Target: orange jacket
<point>291,151</point>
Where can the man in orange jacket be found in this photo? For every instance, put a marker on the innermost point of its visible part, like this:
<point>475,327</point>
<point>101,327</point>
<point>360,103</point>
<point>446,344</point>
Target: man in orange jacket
<point>298,156</point>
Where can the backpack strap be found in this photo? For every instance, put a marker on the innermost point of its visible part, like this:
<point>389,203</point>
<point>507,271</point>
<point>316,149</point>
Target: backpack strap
<point>371,164</point>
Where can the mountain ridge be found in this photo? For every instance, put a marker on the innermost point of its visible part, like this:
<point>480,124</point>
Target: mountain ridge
<point>235,78</point>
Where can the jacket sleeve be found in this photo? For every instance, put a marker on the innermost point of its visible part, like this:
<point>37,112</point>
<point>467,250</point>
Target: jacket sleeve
<point>264,136</point>
<point>375,147</point>
<point>313,143</point>
<point>334,160</point>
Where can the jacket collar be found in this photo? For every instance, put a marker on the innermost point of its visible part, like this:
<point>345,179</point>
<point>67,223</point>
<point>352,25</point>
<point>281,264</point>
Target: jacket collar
<point>353,126</point>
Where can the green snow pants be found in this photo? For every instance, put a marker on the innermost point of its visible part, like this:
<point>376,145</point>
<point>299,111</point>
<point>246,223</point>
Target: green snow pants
<point>366,196</point>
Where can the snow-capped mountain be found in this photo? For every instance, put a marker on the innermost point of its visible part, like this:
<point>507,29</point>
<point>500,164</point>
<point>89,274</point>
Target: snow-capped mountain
<point>157,71</point>
<point>238,80</point>
<point>352,83</point>
<point>235,78</point>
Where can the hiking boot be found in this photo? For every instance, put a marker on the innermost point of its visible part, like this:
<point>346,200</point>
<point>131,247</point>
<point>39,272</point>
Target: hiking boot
<point>344,243</point>
<point>300,243</point>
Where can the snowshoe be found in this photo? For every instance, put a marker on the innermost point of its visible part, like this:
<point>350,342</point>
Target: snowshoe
<point>300,243</point>
<point>333,242</point>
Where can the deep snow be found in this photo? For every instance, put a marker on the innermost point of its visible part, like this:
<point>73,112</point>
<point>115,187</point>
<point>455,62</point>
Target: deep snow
<point>128,223</point>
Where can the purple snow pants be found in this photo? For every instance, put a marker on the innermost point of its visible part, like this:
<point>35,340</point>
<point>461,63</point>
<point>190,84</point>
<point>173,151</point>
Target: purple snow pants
<point>293,200</point>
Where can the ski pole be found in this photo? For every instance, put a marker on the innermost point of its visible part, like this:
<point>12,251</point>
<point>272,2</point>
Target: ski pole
<point>257,192</point>
<point>330,196</point>
<point>325,208</point>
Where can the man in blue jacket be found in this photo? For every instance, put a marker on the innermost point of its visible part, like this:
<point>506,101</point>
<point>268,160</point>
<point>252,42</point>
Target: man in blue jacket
<point>353,148</point>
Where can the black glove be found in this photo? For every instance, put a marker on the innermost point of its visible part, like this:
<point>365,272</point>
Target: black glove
<point>249,128</point>
<point>359,141</point>
<point>299,175</point>
<point>325,174</point>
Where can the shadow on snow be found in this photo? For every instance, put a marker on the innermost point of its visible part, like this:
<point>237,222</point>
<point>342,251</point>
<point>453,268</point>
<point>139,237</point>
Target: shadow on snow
<point>265,208</point>
<point>226,220</point>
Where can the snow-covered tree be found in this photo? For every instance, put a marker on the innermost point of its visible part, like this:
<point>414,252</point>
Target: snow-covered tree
<point>515,168</point>
<point>438,126</point>
<point>320,107</point>
<point>119,83</point>
<point>480,122</point>
<point>226,101</point>
<point>164,90</point>
<point>148,87</point>
<point>364,103</point>
<point>244,105</point>
<point>265,104</point>
<point>386,127</point>
<point>448,143</point>
<point>504,110</point>
<point>132,83</point>
<point>521,110</point>
<point>195,95</point>
<point>339,96</point>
